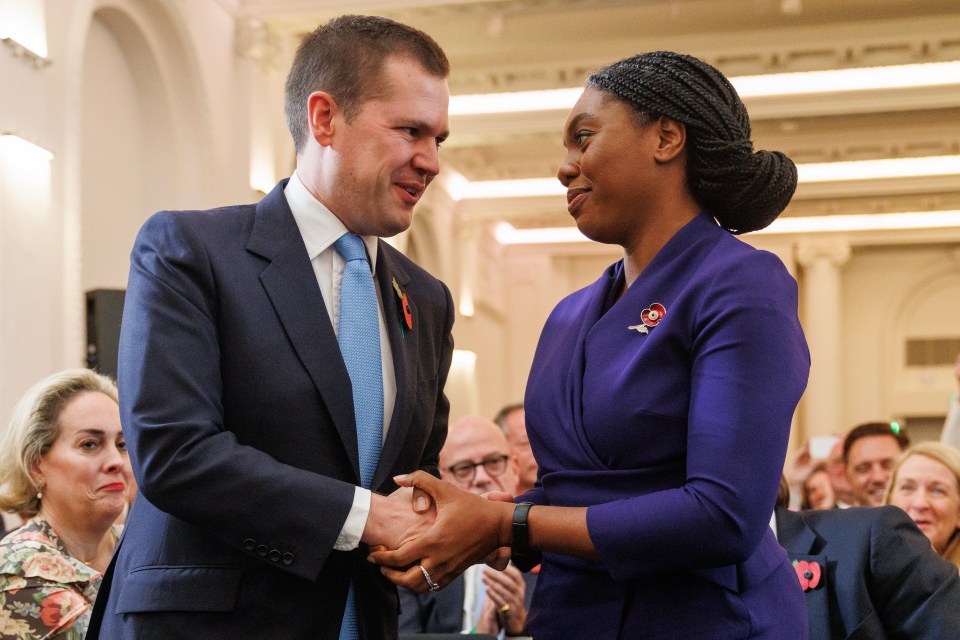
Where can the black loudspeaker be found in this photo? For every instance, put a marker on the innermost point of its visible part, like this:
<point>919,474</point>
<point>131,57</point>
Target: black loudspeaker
<point>104,312</point>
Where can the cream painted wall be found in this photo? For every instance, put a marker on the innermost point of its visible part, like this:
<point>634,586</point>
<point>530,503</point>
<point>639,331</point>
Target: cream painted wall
<point>128,108</point>
<point>125,157</point>
<point>892,294</point>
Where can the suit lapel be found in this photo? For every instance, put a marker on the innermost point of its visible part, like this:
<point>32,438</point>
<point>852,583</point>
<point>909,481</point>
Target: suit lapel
<point>291,285</point>
<point>802,543</point>
<point>403,347</point>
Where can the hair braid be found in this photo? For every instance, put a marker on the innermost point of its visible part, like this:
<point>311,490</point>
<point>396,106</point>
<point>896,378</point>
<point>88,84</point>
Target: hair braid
<point>745,190</point>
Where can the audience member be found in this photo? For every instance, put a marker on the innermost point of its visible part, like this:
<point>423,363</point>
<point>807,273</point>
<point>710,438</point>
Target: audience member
<point>512,419</point>
<point>477,458</point>
<point>817,492</point>
<point>869,452</point>
<point>868,573</point>
<point>63,464</point>
<point>837,471</point>
<point>925,482</point>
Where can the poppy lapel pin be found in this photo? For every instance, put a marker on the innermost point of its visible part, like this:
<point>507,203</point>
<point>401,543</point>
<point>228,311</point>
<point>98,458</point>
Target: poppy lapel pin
<point>808,573</point>
<point>650,317</point>
<point>406,314</point>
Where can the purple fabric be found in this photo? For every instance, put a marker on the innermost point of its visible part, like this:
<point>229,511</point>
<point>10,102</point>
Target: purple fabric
<point>675,439</point>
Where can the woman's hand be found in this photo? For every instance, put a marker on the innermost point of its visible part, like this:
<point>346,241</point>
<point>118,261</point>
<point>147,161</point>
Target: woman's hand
<point>468,530</point>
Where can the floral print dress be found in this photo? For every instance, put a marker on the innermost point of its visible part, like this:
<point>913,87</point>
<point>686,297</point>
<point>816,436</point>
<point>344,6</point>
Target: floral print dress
<point>44,591</point>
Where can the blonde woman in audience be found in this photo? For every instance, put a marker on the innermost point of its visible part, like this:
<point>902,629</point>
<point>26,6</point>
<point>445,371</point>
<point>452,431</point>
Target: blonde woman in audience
<point>925,483</point>
<point>64,466</point>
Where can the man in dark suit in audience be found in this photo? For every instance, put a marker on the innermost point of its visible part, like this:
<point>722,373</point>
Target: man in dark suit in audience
<point>868,573</point>
<point>264,429</point>
<point>476,457</point>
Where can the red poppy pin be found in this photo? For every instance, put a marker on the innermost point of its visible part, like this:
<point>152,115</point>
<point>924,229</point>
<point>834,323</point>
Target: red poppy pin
<point>406,315</point>
<point>651,317</point>
<point>808,573</point>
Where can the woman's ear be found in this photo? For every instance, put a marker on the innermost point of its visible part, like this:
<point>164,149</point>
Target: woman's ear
<point>36,473</point>
<point>321,111</point>
<point>672,139</point>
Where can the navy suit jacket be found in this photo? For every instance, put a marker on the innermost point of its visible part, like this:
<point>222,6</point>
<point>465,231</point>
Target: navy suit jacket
<point>238,414</point>
<point>442,611</point>
<point>880,578</point>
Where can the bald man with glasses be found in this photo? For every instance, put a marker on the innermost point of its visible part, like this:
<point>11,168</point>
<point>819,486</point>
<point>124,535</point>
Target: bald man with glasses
<point>476,457</point>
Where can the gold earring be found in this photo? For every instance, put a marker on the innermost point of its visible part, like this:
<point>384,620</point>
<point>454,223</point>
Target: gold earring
<point>40,486</point>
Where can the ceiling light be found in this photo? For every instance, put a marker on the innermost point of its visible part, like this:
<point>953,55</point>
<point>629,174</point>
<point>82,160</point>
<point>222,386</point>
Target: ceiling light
<point>773,84</point>
<point>865,222</point>
<point>806,173</point>
<point>506,233</point>
<point>878,169</point>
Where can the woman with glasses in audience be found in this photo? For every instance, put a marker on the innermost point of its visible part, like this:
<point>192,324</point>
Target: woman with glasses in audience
<point>660,398</point>
<point>925,482</point>
<point>63,465</point>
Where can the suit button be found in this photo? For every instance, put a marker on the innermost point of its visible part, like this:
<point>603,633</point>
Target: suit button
<point>249,544</point>
<point>287,558</point>
<point>274,555</point>
<point>262,550</point>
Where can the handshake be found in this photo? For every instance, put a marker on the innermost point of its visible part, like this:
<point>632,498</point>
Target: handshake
<point>428,531</point>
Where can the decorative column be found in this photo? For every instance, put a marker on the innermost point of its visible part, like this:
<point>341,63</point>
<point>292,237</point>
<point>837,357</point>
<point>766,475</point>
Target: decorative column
<point>820,299</point>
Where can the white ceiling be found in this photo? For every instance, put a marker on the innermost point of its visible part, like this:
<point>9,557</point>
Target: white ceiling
<point>511,45</point>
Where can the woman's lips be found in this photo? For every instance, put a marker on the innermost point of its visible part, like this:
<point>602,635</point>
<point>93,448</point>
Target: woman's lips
<point>114,486</point>
<point>575,197</point>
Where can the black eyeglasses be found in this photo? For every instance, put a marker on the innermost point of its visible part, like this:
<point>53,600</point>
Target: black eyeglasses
<point>466,471</point>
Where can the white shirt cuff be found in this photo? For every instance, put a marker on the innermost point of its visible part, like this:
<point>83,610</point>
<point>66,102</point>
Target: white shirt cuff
<point>349,538</point>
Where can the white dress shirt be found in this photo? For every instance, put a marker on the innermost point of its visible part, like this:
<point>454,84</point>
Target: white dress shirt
<point>320,228</point>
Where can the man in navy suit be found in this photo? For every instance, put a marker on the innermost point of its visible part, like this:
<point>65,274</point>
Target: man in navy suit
<point>868,573</point>
<point>476,457</point>
<point>235,396</point>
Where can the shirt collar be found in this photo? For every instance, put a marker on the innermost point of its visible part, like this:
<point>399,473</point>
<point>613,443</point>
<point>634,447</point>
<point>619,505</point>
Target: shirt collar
<point>319,226</point>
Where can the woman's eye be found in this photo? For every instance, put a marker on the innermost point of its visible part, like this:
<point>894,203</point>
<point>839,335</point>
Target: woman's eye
<point>89,444</point>
<point>122,445</point>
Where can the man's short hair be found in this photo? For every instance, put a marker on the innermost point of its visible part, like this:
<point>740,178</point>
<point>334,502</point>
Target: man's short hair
<point>501,417</point>
<point>868,429</point>
<point>344,57</point>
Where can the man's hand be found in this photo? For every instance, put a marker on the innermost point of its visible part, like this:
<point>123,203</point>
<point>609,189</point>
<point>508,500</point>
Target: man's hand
<point>467,530</point>
<point>398,518</point>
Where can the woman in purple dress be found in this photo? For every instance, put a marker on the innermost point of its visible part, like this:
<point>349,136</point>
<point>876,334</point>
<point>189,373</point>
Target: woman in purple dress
<point>660,398</point>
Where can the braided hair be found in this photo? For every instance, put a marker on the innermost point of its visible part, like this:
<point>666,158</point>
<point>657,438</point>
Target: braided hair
<point>743,189</point>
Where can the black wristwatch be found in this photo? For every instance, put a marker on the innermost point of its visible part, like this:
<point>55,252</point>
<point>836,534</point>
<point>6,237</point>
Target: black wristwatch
<point>521,535</point>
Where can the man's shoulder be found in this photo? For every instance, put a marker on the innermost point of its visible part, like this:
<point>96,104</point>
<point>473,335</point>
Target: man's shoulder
<point>411,269</point>
<point>855,517</point>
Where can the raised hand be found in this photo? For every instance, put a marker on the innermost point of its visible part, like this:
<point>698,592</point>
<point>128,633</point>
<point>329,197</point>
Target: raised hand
<point>503,607</point>
<point>467,530</point>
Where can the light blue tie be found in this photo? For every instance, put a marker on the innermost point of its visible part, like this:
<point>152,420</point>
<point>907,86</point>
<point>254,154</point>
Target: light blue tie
<point>358,333</point>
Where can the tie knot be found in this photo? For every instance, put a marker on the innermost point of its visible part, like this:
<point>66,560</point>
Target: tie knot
<point>350,246</point>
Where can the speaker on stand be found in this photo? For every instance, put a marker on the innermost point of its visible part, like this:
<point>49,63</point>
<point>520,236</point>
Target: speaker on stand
<point>104,313</point>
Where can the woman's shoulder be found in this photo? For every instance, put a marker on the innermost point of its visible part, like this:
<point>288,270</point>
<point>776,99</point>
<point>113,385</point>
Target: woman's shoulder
<point>35,552</point>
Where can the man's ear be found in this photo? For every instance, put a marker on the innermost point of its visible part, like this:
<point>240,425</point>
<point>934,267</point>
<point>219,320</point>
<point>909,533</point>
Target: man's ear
<point>321,111</point>
<point>671,139</point>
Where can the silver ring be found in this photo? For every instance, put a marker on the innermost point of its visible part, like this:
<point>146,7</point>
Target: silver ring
<point>430,583</point>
